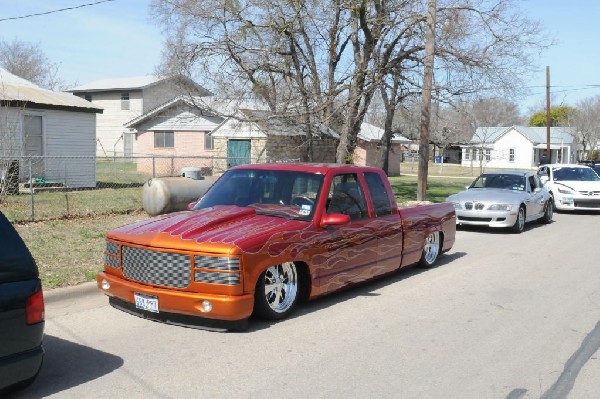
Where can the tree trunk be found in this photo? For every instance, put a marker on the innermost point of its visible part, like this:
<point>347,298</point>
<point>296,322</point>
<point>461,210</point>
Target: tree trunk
<point>426,107</point>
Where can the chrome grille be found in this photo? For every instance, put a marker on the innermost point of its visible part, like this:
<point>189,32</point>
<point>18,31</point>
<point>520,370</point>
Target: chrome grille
<point>479,206</point>
<point>159,268</point>
<point>112,248</point>
<point>217,277</point>
<point>111,261</point>
<point>217,263</point>
<point>468,206</point>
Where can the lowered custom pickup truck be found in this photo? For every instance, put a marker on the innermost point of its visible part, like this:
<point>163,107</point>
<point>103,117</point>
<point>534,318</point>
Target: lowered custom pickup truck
<point>264,237</point>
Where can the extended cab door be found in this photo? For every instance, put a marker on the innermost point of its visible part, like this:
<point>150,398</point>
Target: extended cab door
<point>387,223</point>
<point>349,251</point>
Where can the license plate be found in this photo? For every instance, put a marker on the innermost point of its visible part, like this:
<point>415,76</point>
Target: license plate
<point>146,302</point>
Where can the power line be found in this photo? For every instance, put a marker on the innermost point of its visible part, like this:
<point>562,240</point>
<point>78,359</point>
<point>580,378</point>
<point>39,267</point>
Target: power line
<point>55,11</point>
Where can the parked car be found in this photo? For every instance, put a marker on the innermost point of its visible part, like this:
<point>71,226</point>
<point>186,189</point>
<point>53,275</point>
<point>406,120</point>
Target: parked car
<point>21,311</point>
<point>592,164</point>
<point>262,238</point>
<point>573,187</point>
<point>507,199</point>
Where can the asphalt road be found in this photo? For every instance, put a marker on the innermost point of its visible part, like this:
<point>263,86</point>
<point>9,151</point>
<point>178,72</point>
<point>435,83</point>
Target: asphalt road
<point>501,316</point>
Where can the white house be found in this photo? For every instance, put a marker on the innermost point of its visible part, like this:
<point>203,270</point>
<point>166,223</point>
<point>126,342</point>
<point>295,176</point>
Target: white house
<point>54,131</point>
<point>124,99</point>
<point>518,147</point>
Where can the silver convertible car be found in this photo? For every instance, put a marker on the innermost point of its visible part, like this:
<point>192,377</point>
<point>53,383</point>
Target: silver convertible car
<point>503,199</point>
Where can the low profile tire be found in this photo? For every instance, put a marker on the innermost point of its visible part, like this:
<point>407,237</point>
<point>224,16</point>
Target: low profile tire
<point>548,212</point>
<point>431,250</point>
<point>519,225</point>
<point>277,291</point>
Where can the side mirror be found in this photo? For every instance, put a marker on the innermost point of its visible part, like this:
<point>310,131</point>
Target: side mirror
<point>334,219</point>
<point>191,205</point>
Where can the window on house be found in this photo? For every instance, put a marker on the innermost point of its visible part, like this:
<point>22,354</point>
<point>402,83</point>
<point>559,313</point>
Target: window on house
<point>88,97</point>
<point>488,155</point>
<point>467,154</point>
<point>511,155</point>
<point>209,142</point>
<point>125,101</point>
<point>164,139</point>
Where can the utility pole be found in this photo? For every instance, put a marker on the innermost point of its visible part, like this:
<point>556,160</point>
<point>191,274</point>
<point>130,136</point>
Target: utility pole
<point>548,119</point>
<point>426,106</point>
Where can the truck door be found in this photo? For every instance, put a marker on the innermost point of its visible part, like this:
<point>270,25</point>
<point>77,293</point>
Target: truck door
<point>387,224</point>
<point>350,250</point>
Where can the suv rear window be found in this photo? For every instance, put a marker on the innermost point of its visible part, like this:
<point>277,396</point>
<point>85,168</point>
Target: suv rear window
<point>16,262</point>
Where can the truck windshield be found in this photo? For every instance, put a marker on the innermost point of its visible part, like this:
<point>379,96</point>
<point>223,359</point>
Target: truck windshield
<point>287,194</point>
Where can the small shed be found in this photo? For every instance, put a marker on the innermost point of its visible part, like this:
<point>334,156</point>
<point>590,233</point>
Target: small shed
<point>368,148</point>
<point>54,132</point>
<point>255,136</point>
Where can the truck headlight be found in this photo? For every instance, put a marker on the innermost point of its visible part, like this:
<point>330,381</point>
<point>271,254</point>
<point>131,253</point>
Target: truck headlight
<point>501,207</point>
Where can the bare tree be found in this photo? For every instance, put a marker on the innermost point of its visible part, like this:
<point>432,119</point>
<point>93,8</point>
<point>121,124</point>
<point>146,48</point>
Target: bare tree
<point>586,121</point>
<point>28,61</point>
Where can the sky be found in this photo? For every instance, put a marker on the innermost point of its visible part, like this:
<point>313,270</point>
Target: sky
<point>119,38</point>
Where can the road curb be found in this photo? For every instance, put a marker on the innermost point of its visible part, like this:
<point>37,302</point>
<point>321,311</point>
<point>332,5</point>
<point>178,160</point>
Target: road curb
<point>71,293</point>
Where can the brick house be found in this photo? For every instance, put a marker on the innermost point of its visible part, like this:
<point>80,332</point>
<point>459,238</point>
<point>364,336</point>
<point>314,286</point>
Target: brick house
<point>177,128</point>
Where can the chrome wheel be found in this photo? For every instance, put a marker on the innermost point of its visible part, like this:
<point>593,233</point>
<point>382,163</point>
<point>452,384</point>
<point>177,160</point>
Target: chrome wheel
<point>548,212</point>
<point>281,287</point>
<point>431,249</point>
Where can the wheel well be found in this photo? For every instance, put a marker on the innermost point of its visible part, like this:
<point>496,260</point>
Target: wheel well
<point>305,280</point>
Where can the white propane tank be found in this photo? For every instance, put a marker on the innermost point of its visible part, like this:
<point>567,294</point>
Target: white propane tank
<point>171,194</point>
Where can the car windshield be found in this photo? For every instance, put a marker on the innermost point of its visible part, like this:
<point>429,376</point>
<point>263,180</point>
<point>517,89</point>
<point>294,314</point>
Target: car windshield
<point>574,174</point>
<point>286,194</point>
<point>497,180</point>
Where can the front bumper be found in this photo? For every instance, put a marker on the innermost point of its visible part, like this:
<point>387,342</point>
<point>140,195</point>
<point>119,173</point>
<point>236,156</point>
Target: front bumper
<point>577,202</point>
<point>179,307</point>
<point>486,218</point>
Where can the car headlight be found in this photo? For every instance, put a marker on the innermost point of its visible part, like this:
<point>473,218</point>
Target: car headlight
<point>501,207</point>
<point>563,191</point>
<point>457,205</point>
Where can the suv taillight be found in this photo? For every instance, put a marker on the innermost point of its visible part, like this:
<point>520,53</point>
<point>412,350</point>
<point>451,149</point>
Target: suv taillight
<point>34,309</point>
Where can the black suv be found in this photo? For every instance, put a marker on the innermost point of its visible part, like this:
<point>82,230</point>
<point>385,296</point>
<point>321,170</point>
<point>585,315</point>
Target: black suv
<point>21,312</point>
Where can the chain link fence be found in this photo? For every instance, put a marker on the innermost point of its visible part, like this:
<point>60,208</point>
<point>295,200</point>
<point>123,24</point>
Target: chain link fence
<point>40,188</point>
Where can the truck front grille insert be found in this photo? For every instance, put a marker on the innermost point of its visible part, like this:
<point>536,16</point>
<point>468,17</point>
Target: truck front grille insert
<point>166,269</point>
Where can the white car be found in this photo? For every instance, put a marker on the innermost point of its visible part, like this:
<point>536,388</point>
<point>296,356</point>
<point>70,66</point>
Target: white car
<point>573,187</point>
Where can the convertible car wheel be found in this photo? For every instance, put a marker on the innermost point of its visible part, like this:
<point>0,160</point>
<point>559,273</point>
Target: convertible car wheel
<point>431,249</point>
<point>277,291</point>
<point>520,222</point>
<point>548,212</point>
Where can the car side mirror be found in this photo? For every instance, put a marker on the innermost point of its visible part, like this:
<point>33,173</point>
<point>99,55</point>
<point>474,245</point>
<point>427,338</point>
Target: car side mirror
<point>334,219</point>
<point>191,205</point>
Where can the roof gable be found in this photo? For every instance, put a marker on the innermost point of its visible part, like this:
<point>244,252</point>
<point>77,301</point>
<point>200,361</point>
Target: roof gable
<point>135,83</point>
<point>536,135</point>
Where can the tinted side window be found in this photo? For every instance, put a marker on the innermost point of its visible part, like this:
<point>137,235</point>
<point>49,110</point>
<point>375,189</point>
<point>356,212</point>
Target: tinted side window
<point>346,197</point>
<point>16,263</point>
<point>379,195</point>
